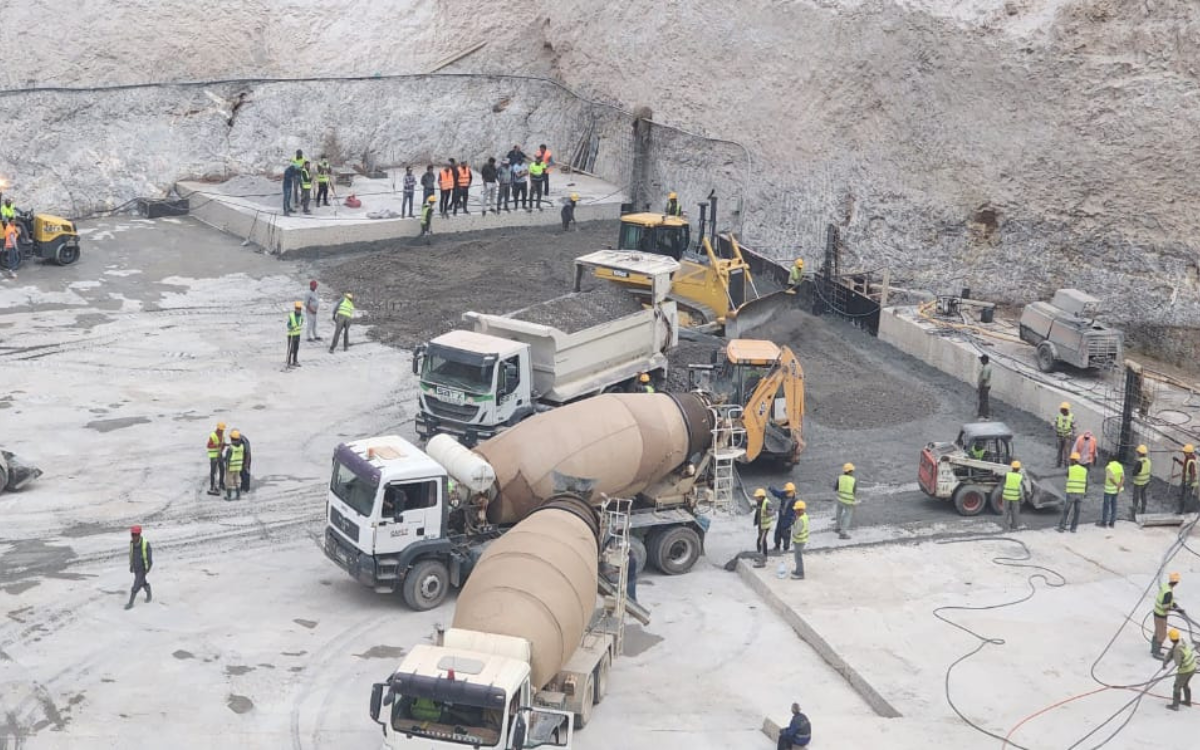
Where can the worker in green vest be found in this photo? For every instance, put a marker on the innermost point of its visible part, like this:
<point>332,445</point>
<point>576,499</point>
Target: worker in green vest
<point>7,212</point>
<point>673,208</point>
<point>427,216</point>
<point>1164,602</point>
<point>1064,433</point>
<point>425,709</point>
<point>306,187</point>
<point>1075,490</point>
<point>537,171</point>
<point>977,450</point>
<point>763,519</point>
<point>799,538</point>
<point>323,173</point>
<point>1114,482</point>
<point>141,559</point>
<point>235,455</point>
<point>644,385</point>
<point>216,467</point>
<point>847,496</point>
<point>295,324</point>
<point>1184,657</point>
<point>1189,477</point>
<point>297,164</point>
<point>1013,494</point>
<point>796,275</point>
<point>341,319</point>
<point>1141,482</point>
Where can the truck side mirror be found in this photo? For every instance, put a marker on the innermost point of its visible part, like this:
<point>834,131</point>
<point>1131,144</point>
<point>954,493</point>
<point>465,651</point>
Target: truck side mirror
<point>376,701</point>
<point>418,358</point>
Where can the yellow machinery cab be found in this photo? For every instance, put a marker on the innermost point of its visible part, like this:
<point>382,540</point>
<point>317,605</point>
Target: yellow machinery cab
<point>48,237</point>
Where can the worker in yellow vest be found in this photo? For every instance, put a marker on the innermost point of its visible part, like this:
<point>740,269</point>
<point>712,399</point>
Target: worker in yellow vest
<point>324,171</point>
<point>295,324</point>
<point>673,208</point>
<point>1013,494</point>
<point>297,164</point>
<point>7,212</point>
<point>216,468</point>
<point>1164,602</point>
<point>796,275</point>
<point>1184,657</point>
<point>1114,482</point>
<point>537,174</point>
<point>799,538</point>
<point>1189,478</point>
<point>342,315</point>
<point>847,496</point>
<point>235,456</point>
<point>1075,490</point>
<point>427,216</point>
<point>141,560</point>
<point>1141,482</point>
<point>1064,433</point>
<point>763,520</point>
<point>306,187</point>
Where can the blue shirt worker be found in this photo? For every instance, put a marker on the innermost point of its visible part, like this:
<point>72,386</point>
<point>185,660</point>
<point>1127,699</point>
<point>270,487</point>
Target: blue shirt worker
<point>798,733</point>
<point>783,529</point>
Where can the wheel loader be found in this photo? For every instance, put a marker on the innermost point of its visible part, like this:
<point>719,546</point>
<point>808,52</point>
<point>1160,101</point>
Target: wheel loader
<point>767,382</point>
<point>47,237</point>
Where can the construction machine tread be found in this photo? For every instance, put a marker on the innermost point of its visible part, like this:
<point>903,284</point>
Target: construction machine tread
<point>709,314</point>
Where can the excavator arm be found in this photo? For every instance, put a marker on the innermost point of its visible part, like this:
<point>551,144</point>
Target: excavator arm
<point>759,409</point>
<point>793,392</point>
<point>757,413</point>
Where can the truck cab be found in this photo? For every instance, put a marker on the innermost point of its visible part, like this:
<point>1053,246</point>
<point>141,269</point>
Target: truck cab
<point>472,385</point>
<point>454,696</point>
<point>387,515</point>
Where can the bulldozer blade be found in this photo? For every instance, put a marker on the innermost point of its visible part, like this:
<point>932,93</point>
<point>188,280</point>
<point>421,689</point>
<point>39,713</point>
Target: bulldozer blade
<point>742,322</point>
<point>17,471</point>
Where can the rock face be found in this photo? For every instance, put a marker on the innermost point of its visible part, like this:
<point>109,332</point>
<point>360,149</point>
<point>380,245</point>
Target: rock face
<point>1012,146</point>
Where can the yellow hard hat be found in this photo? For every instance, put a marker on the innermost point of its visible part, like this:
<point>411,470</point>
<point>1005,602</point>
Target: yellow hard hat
<point>1173,578</point>
<point>1173,634</point>
<point>799,263</point>
<point>1075,456</point>
<point>847,467</point>
<point>575,197</point>
<point>760,492</point>
<point>432,199</point>
<point>789,487</point>
<point>1064,405</point>
<point>1189,448</point>
<point>671,196</point>
<point>299,305</point>
<point>220,425</point>
<point>799,505</point>
<point>1143,450</point>
<point>235,435</point>
<point>1016,464</point>
<point>349,295</point>
<point>643,378</point>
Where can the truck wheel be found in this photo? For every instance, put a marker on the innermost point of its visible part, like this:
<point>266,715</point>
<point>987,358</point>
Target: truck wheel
<point>970,499</point>
<point>600,678</point>
<point>66,254</point>
<point>675,550</point>
<point>1046,356</point>
<point>426,585</point>
<point>586,701</point>
<point>996,500</point>
<point>639,553</point>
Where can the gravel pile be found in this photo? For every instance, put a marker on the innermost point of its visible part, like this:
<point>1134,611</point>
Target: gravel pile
<point>576,311</point>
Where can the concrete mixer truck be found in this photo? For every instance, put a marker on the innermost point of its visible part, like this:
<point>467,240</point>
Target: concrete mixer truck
<point>399,519</point>
<point>529,651</point>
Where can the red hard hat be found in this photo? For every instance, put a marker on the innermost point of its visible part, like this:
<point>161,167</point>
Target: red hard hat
<point>135,530</point>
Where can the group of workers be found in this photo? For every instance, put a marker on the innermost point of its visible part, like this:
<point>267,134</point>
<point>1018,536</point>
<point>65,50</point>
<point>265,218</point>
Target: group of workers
<point>304,314</point>
<point>12,236</point>
<point>790,519</point>
<point>1182,653</point>
<point>228,463</point>
<point>298,183</point>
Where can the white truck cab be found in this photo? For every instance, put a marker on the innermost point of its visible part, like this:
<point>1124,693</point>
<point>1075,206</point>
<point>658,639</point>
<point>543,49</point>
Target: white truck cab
<point>473,690</point>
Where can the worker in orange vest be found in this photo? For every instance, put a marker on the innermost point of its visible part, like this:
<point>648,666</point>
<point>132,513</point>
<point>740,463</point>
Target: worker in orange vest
<point>545,157</point>
<point>1085,446</point>
<point>461,186</point>
<point>446,181</point>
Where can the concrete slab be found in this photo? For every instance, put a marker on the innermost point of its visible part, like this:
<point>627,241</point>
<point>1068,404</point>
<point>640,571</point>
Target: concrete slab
<point>882,630</point>
<point>251,208</point>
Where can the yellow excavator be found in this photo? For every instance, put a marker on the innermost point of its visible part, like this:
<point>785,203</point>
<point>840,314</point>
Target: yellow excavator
<point>767,382</point>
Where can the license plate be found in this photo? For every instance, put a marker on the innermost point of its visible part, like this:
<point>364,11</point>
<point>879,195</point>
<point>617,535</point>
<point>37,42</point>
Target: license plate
<point>620,274</point>
<point>451,396</point>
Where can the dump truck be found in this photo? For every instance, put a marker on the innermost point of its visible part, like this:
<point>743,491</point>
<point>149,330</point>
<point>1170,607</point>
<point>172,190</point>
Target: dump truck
<point>529,651</point>
<point>475,383</point>
<point>399,519</point>
<point>970,471</point>
<point>1065,330</point>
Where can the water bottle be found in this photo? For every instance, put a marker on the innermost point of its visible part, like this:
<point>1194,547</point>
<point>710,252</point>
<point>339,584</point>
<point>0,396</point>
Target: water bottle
<point>781,570</point>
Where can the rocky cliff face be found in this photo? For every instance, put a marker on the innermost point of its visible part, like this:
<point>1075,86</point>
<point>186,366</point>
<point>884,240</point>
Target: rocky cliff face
<point>1012,146</point>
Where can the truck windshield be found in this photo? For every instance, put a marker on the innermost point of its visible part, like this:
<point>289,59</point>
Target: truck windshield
<point>466,371</point>
<point>353,490</point>
<point>458,722</point>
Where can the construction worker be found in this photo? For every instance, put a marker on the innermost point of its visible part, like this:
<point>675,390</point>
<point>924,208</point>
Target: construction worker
<point>428,185</point>
<point>798,732</point>
<point>1163,604</point>
<point>847,495</point>
<point>7,212</point>
<point>644,385</point>
<point>673,208</point>
<point>787,515</point>
<point>1188,478</point>
<point>297,163</point>
<point>312,303</point>
<point>1185,666</point>
<point>12,251</point>
<point>977,450</point>
<point>295,324</point>
<point>216,469</point>
<point>1064,433</point>
<point>244,476</point>
<point>763,519</point>
<point>323,173</point>
<point>306,187</point>
<point>537,173</point>
<point>141,560</point>
<point>799,537</point>
<point>520,185</point>
<point>1141,482</point>
<point>1086,447</point>
<point>505,175</point>
<point>546,158</point>
<point>1012,494</point>
<point>489,174</point>
<point>462,187</point>
<point>427,216</point>
<point>235,456</point>
<point>1076,488</point>
<point>446,179</point>
<point>568,212</point>
<point>796,275</point>
<point>291,178</point>
<point>1114,482</point>
<point>516,156</point>
<point>341,318</point>
<point>984,386</point>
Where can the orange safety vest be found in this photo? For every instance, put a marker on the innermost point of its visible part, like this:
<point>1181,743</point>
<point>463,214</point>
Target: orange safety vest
<point>545,155</point>
<point>10,236</point>
<point>446,179</point>
<point>464,175</point>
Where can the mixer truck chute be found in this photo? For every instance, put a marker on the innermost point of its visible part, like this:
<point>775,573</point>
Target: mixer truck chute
<point>404,520</point>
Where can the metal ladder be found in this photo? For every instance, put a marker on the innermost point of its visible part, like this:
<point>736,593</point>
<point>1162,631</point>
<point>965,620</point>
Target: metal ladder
<point>728,445</point>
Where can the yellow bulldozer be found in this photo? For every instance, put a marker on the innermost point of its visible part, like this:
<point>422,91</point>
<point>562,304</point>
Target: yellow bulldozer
<point>767,382</point>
